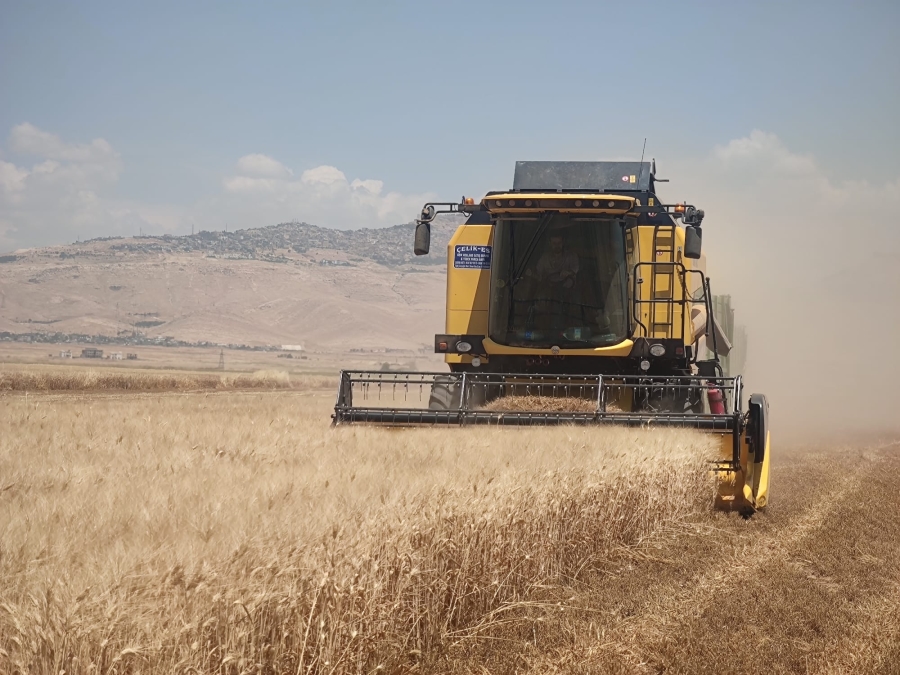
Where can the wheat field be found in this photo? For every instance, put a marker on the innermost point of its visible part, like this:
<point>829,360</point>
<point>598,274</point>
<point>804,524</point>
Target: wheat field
<point>239,533</point>
<point>78,378</point>
<point>145,531</point>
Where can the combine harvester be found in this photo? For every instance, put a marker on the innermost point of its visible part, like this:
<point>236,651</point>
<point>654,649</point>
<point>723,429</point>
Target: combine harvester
<point>577,298</point>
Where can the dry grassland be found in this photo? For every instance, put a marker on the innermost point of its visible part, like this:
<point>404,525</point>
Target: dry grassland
<point>38,379</point>
<point>238,533</point>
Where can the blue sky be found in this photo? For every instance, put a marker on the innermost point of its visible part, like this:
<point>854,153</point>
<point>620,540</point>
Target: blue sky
<point>409,100</point>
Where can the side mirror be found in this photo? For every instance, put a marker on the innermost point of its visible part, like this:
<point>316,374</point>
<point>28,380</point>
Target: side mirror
<point>693,241</point>
<point>423,239</point>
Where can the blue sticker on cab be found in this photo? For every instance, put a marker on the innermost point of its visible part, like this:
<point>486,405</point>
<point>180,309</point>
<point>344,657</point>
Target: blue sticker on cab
<point>472,257</point>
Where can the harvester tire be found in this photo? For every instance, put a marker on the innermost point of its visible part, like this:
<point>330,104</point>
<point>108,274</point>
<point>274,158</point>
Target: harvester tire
<point>445,393</point>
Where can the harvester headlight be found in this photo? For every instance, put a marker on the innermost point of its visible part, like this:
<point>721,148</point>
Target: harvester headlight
<point>657,349</point>
<point>596,202</point>
<point>528,202</point>
<point>645,365</point>
<point>611,204</point>
<point>577,202</point>
<point>498,203</point>
<point>463,346</point>
<point>476,361</point>
<point>512,202</point>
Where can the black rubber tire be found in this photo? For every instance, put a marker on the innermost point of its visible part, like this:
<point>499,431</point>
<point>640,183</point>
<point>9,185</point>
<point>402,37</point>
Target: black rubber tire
<point>445,394</point>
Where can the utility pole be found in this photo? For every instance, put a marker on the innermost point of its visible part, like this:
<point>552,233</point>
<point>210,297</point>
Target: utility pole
<point>222,359</point>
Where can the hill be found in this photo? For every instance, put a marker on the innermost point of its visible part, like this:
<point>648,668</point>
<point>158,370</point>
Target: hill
<point>291,283</point>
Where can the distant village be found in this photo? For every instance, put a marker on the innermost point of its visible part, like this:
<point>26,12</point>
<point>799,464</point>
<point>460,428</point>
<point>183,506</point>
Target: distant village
<point>287,351</point>
<point>136,339</point>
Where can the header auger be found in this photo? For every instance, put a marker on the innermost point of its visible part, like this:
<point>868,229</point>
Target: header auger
<point>577,297</point>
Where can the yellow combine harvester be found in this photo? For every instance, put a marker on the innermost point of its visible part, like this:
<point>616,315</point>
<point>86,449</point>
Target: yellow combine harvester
<point>576,297</point>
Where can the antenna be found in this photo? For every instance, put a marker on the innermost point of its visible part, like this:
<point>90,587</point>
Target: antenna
<point>641,169</point>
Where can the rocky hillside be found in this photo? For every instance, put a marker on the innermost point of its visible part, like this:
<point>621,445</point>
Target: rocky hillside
<point>389,246</point>
<point>291,283</point>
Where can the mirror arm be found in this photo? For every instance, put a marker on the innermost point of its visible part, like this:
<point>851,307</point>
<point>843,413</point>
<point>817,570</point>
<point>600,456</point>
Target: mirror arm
<point>433,209</point>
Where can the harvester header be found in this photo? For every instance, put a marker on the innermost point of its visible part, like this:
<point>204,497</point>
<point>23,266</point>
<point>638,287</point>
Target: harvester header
<point>577,297</point>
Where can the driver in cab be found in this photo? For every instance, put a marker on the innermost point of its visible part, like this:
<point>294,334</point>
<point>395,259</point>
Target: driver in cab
<point>557,267</point>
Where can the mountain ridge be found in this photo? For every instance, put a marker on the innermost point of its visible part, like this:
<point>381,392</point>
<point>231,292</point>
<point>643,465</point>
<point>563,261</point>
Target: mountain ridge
<point>291,283</point>
<point>389,246</point>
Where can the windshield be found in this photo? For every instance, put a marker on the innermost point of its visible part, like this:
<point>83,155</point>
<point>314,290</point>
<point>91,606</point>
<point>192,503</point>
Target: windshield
<point>558,279</point>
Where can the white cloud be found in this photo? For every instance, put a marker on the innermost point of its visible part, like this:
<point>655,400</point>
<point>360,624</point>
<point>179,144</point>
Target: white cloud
<point>262,165</point>
<point>58,190</point>
<point>12,179</point>
<point>371,186</point>
<point>322,195</point>
<point>767,148</point>
<point>67,192</point>
<point>327,175</point>
<point>27,139</point>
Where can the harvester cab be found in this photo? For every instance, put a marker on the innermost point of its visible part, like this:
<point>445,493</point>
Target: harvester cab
<point>577,297</point>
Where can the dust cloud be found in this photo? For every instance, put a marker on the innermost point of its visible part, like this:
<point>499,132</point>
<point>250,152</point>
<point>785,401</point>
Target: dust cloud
<point>811,263</point>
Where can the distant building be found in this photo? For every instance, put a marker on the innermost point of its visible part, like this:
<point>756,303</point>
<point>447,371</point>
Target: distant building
<point>67,354</point>
<point>131,356</point>
<point>115,356</point>
<point>292,348</point>
<point>91,353</point>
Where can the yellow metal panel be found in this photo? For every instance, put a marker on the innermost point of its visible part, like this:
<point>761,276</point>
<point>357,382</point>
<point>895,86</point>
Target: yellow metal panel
<point>748,488</point>
<point>661,319</point>
<point>759,479</point>
<point>621,349</point>
<point>518,202</point>
<point>468,289</point>
<point>633,256</point>
<point>464,322</point>
<point>463,358</point>
<point>468,292</point>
